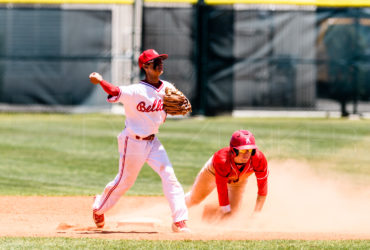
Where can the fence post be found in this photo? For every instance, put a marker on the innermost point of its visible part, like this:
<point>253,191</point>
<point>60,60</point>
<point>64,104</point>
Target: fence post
<point>355,63</point>
<point>201,57</point>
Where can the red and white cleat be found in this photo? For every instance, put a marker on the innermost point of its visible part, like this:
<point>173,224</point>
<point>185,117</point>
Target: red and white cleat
<point>180,227</point>
<point>99,220</point>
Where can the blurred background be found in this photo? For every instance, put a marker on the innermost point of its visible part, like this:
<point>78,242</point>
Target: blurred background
<point>228,57</point>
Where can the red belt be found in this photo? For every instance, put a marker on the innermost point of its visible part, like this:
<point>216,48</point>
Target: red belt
<point>148,138</point>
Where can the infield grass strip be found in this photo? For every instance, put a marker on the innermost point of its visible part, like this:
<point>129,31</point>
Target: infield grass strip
<point>58,154</point>
<point>69,243</point>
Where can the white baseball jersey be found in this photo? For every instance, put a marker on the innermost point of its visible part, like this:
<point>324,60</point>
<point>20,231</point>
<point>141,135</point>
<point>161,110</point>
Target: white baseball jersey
<point>144,114</point>
<point>143,107</point>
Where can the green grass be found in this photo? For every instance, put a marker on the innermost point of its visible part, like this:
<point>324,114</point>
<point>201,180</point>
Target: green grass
<point>56,154</point>
<point>69,243</point>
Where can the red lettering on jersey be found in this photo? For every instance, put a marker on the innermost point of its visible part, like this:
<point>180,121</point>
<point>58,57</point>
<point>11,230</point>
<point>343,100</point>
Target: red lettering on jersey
<point>141,107</point>
<point>151,108</point>
<point>147,109</point>
<point>157,106</point>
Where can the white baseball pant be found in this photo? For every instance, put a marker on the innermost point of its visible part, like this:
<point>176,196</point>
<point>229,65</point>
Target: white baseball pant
<point>133,154</point>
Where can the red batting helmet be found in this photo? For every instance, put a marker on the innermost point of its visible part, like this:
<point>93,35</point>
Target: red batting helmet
<point>242,139</point>
<point>148,55</point>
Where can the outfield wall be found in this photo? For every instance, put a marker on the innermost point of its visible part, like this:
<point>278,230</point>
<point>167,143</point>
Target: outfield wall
<point>224,55</point>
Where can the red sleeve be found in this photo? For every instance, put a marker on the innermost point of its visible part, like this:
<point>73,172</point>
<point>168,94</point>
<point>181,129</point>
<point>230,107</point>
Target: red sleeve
<point>109,88</point>
<point>261,171</point>
<point>220,164</point>
<point>223,195</point>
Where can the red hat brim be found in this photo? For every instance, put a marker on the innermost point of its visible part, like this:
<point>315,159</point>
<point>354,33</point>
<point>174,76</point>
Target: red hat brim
<point>163,56</point>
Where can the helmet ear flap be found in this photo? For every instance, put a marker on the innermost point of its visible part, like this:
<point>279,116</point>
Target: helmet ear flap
<point>236,151</point>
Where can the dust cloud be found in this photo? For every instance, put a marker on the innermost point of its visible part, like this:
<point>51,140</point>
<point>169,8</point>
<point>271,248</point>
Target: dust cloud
<point>300,200</point>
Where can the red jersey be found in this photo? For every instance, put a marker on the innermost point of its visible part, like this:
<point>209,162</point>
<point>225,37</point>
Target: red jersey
<point>227,172</point>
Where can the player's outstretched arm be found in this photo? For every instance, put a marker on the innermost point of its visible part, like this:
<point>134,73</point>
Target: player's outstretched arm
<point>109,88</point>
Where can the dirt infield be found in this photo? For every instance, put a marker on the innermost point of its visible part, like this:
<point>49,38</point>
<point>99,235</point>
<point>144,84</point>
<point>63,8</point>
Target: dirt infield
<point>300,206</point>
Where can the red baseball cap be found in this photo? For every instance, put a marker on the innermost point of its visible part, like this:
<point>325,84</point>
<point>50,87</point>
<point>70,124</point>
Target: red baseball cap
<point>148,55</point>
<point>243,139</point>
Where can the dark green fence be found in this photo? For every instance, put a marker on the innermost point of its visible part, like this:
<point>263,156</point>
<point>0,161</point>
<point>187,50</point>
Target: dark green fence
<point>46,54</point>
<point>224,57</point>
<point>256,57</point>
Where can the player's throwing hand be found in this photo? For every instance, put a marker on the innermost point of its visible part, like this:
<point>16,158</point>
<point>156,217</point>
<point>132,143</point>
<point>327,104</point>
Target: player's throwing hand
<point>95,78</point>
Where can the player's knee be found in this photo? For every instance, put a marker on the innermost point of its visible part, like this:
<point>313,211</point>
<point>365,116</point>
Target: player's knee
<point>190,200</point>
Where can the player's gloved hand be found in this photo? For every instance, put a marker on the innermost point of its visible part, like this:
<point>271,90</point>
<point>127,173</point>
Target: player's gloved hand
<point>95,78</point>
<point>175,102</point>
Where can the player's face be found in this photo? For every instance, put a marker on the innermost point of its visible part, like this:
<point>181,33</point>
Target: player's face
<point>243,156</point>
<point>155,67</point>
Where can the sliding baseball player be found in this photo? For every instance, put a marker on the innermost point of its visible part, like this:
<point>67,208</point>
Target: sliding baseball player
<point>228,170</point>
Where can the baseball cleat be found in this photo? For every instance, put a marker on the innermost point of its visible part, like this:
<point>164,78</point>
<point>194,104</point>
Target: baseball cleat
<point>99,220</point>
<point>180,227</point>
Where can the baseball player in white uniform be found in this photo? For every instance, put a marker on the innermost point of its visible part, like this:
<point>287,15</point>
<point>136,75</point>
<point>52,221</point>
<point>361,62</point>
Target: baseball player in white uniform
<point>138,143</point>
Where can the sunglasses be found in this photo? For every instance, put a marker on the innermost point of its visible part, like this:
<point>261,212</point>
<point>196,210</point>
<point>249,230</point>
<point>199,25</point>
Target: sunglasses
<point>155,61</point>
<point>244,151</point>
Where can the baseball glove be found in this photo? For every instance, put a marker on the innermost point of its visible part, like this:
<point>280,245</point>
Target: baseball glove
<point>175,102</point>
